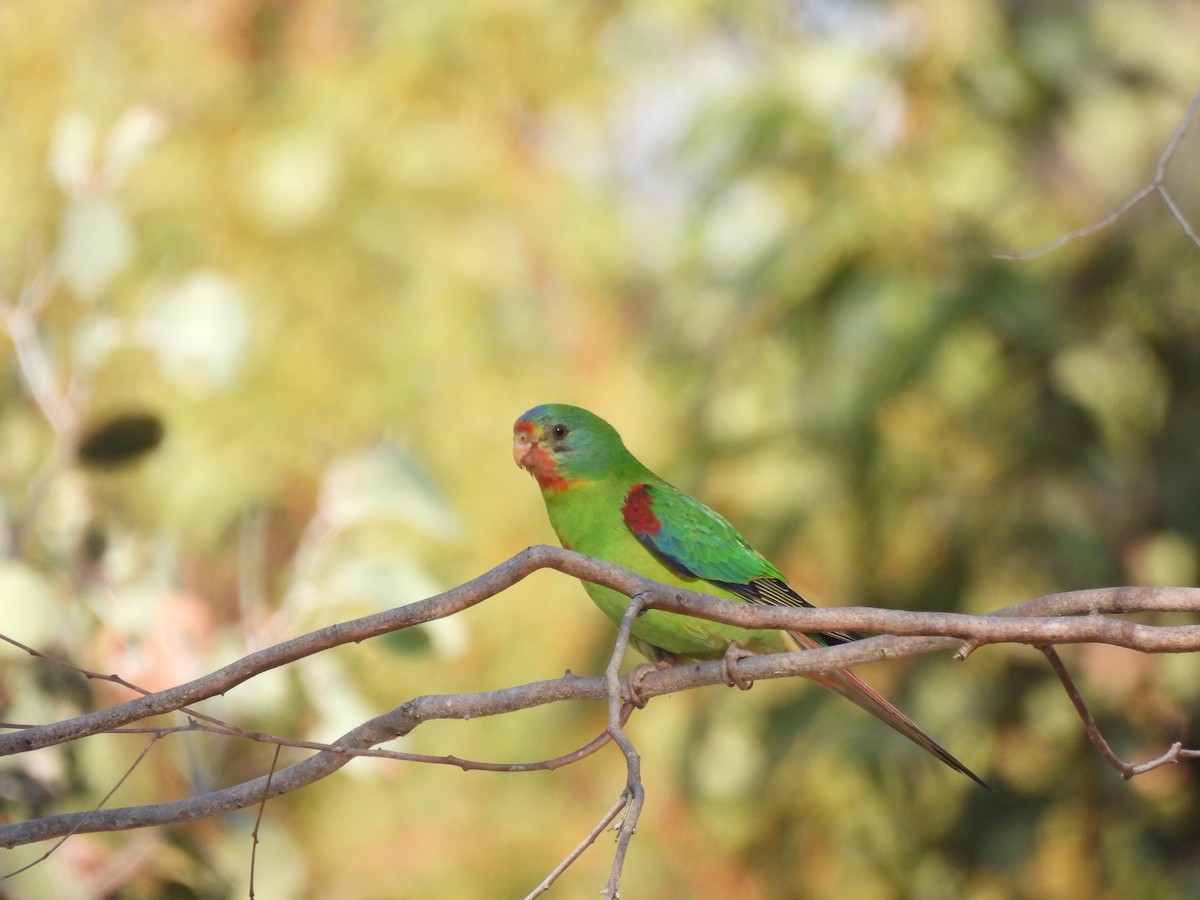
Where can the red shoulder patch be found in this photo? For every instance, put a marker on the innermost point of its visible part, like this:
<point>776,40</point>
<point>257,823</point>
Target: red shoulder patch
<point>638,511</point>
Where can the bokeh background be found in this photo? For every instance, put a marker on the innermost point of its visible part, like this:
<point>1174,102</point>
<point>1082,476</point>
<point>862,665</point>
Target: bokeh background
<point>334,249</point>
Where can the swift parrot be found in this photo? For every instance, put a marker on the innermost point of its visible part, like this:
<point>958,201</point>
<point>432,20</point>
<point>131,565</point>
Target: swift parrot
<point>605,504</point>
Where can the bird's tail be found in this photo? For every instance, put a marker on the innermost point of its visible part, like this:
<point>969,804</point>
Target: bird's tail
<point>854,689</point>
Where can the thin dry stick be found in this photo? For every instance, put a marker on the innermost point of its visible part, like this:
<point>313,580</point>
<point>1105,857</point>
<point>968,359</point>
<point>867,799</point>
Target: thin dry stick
<point>634,794</point>
<point>405,718</point>
<point>410,715</point>
<point>112,678</point>
<point>1127,770</point>
<point>85,817</point>
<point>570,858</point>
<point>262,807</point>
<point>467,765</point>
<point>1157,185</point>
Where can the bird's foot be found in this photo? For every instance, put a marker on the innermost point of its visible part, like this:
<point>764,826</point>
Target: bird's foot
<point>638,674</point>
<point>734,678</point>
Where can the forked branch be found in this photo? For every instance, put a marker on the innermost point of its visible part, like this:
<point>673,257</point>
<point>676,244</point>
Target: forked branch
<point>1077,617</point>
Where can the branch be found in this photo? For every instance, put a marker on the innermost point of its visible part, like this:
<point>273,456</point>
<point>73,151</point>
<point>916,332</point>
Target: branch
<point>262,808</point>
<point>634,795</point>
<point>1127,770</point>
<point>1156,185</point>
<point>403,719</point>
<point>1058,618</point>
<point>228,677</point>
<point>1023,623</point>
<point>604,822</point>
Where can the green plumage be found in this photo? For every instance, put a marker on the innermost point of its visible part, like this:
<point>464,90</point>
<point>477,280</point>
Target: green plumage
<point>587,518</point>
<point>586,514</point>
<point>603,503</point>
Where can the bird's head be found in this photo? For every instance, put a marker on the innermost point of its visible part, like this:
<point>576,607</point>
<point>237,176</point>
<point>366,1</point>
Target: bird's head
<point>559,444</point>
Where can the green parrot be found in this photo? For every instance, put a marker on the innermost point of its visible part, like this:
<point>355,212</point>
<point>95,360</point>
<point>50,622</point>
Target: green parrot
<point>605,504</point>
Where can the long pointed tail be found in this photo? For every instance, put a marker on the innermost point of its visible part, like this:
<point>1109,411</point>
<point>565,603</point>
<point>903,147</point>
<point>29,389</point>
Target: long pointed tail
<point>854,689</point>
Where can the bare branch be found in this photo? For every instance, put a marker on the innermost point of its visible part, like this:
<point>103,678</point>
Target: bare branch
<point>1059,618</point>
<point>1052,619</point>
<point>396,723</point>
<point>403,719</point>
<point>467,765</point>
<point>230,676</point>
<point>262,808</point>
<point>1157,185</point>
<point>1127,770</point>
<point>604,822</point>
<point>84,819</point>
<point>634,795</point>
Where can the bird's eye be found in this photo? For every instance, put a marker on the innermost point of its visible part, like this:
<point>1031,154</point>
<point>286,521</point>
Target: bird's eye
<point>560,431</point>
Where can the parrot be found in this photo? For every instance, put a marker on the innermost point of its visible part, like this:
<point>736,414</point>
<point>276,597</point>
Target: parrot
<point>602,502</point>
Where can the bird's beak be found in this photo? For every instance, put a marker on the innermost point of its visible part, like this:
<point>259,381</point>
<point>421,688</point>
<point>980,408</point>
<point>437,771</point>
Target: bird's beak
<point>523,444</point>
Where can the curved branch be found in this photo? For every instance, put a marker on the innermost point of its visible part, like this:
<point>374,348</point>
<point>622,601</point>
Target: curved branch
<point>1059,618</point>
<point>1022,623</point>
<point>1156,185</point>
<point>224,679</point>
<point>403,719</point>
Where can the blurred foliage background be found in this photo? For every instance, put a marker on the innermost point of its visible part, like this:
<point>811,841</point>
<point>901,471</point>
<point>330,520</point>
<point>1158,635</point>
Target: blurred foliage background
<point>280,275</point>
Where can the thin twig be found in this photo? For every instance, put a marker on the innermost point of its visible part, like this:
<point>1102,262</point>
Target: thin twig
<point>604,822</point>
<point>467,765</point>
<point>634,794</point>
<point>262,807</point>
<point>83,819</point>
<point>19,320</point>
<point>112,678</point>
<point>199,721</point>
<point>1127,770</point>
<point>1157,185</point>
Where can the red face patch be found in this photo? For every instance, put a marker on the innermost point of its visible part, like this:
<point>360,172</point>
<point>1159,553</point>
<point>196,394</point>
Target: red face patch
<point>534,458</point>
<point>543,467</point>
<point>638,512</point>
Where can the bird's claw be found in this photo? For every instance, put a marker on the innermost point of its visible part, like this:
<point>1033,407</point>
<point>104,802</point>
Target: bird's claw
<point>637,675</point>
<point>734,678</point>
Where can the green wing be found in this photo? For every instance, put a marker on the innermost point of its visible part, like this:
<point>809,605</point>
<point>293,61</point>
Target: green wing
<point>696,542</point>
